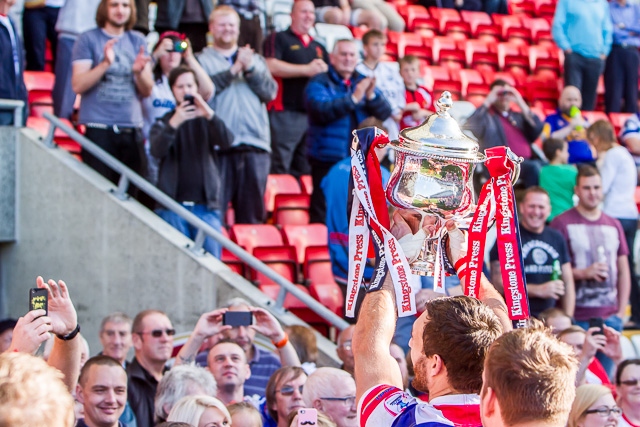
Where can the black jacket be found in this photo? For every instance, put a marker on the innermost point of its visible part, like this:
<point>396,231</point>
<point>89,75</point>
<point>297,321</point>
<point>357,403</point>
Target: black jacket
<point>486,126</point>
<point>141,390</point>
<point>164,141</point>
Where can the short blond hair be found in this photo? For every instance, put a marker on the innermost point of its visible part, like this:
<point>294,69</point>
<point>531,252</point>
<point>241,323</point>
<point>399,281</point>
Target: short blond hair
<point>586,395</point>
<point>189,409</point>
<point>223,10</point>
<point>32,393</point>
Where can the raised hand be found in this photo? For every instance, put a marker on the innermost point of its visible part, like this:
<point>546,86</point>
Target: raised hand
<point>62,313</point>
<point>316,66</point>
<point>361,88</point>
<point>551,289</point>
<point>210,324</point>
<point>266,324</point>
<point>245,56</point>
<point>183,112</point>
<point>108,52</point>
<point>165,47</point>
<point>371,89</point>
<point>31,330</point>
<point>202,108</point>
<point>141,61</point>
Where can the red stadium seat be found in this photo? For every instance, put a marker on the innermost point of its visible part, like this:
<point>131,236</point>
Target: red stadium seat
<point>279,184</point>
<point>291,209</point>
<point>481,25</point>
<point>540,30</point>
<point>618,120</point>
<point>231,261</point>
<point>306,184</point>
<point>447,53</point>
<point>281,259</point>
<point>474,88</point>
<point>511,56</point>
<point>438,79</point>
<point>521,7</point>
<point>416,12</point>
<point>412,44</point>
<point>39,85</point>
<point>328,294</point>
<point>511,29</point>
<point>544,59</point>
<point>480,55</point>
<point>302,236</point>
<point>450,22</point>
<point>542,91</point>
<point>60,137</point>
<point>317,262</point>
<point>594,116</point>
<point>545,8</point>
<point>251,236</point>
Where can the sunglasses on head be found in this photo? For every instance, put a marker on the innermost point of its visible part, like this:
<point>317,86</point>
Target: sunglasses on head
<point>157,333</point>
<point>288,390</point>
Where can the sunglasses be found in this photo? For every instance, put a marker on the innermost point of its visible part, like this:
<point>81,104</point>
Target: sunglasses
<point>630,383</point>
<point>157,333</point>
<point>288,390</point>
<point>605,411</point>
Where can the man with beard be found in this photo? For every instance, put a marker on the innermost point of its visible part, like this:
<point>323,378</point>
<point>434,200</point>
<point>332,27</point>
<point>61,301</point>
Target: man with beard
<point>448,344</point>
<point>111,71</point>
<point>102,391</point>
<point>243,87</point>
<point>599,260</point>
<point>153,344</point>
<point>542,248</point>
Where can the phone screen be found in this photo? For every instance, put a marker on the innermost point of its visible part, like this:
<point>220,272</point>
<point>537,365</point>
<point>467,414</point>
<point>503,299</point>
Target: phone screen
<point>597,322</point>
<point>237,318</point>
<point>38,299</point>
<point>307,417</point>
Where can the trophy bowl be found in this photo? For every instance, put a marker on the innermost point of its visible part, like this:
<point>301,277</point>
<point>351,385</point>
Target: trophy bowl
<point>434,174</point>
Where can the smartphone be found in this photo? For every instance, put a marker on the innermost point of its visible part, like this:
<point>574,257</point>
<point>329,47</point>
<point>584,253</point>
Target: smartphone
<point>189,99</point>
<point>237,318</point>
<point>307,417</point>
<point>597,322</point>
<point>39,299</point>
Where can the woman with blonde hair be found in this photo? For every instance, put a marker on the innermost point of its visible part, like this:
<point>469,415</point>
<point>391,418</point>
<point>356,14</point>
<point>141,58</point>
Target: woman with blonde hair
<point>594,406</point>
<point>200,411</point>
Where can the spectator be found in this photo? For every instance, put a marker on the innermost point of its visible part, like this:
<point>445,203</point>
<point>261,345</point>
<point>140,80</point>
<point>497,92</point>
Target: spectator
<point>630,137</point>
<point>292,57</point>
<point>243,84</point>
<point>598,255</point>
<point>188,17</point>
<point>283,395</point>
<point>251,32</point>
<point>72,21</point>
<point>332,391</point>
<point>447,324</point>
<point>115,337</point>
<point>520,385</point>
<point>495,123</point>
<point>34,394</point>
<point>303,340</point>
<point>627,377</point>
<point>38,26</point>
<point>543,248</point>
<point>6,333</point>
<point>102,391</point>
<point>585,345</point>
<point>555,319</point>
<point>558,178</point>
<point>228,365</point>
<point>337,101</point>
<point>153,344</point>
<point>594,405</point>
<point>583,57</point>
<point>111,71</point>
<point>200,410</point>
<point>386,76</point>
<point>621,70</point>
<point>398,354</point>
<point>174,424</point>
<point>619,182</point>
<point>12,60</point>
<point>244,414</point>
<point>568,124</point>
<point>186,141</point>
<point>161,100</point>
<point>179,382</point>
<point>344,12</point>
<point>419,103</point>
<point>344,349</point>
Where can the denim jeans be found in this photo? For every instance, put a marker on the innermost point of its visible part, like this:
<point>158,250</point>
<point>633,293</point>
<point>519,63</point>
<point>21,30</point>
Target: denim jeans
<point>613,322</point>
<point>210,216</point>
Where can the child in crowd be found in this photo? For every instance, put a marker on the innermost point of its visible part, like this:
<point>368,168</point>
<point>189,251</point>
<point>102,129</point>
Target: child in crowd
<point>386,75</point>
<point>244,414</point>
<point>558,177</point>
<point>556,319</point>
<point>418,99</point>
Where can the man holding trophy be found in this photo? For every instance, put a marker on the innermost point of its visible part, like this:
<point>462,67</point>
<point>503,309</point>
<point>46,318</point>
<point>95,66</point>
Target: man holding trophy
<point>433,179</point>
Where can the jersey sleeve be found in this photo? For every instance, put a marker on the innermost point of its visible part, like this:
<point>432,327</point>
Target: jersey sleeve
<point>382,404</point>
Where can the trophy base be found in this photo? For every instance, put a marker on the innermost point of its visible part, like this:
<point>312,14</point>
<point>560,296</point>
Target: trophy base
<point>422,268</point>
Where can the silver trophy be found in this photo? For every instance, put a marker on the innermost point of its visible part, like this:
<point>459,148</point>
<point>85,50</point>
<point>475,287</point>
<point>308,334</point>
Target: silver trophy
<point>434,174</point>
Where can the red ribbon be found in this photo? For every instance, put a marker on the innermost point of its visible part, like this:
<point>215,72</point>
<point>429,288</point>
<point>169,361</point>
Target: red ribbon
<point>497,199</point>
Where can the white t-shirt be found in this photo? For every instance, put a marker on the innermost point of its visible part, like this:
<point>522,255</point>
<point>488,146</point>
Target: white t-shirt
<point>619,181</point>
<point>390,83</point>
<point>156,105</point>
<point>624,422</point>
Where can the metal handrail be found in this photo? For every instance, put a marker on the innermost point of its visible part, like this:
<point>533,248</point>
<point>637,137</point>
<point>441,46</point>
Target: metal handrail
<point>128,176</point>
<point>17,106</point>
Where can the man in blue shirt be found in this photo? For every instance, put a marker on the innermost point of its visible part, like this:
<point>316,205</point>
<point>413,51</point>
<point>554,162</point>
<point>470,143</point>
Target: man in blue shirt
<point>621,72</point>
<point>582,29</point>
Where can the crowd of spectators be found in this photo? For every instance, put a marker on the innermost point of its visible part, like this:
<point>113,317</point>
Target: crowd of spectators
<point>206,120</point>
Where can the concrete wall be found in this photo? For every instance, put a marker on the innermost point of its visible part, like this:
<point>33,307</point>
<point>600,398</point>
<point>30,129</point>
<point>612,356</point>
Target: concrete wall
<point>8,139</point>
<point>114,255</point>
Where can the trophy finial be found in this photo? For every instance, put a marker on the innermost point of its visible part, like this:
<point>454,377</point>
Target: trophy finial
<point>444,104</point>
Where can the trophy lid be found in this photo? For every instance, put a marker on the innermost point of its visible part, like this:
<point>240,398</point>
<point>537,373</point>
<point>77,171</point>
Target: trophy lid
<point>439,136</point>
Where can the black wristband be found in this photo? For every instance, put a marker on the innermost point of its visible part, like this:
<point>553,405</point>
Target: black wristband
<point>71,335</point>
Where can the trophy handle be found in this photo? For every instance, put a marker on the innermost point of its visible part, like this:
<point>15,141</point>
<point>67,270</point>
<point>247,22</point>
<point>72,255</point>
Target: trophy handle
<point>517,160</point>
